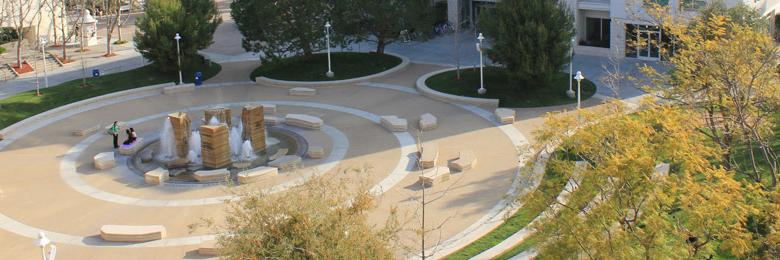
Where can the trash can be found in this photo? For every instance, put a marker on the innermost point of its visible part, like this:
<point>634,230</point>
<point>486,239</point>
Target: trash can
<point>95,73</point>
<point>198,78</point>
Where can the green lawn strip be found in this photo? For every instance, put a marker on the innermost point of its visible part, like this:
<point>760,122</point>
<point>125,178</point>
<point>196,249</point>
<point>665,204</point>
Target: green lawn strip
<point>509,94</point>
<point>551,185</point>
<point>345,65</point>
<point>25,104</point>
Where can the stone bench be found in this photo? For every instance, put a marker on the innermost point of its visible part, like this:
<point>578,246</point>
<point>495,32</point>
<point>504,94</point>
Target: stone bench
<point>428,155</point>
<point>273,120</point>
<point>131,148</point>
<point>104,161</point>
<point>466,160</point>
<point>279,153</point>
<point>427,122</point>
<point>208,248</point>
<point>86,131</point>
<point>256,174</point>
<point>434,175</point>
<point>286,162</point>
<point>301,91</point>
<point>269,108</point>
<point>212,175</point>
<point>122,233</point>
<point>304,121</point>
<point>157,176</point>
<point>315,152</point>
<point>505,115</point>
<point>178,88</point>
<point>393,123</point>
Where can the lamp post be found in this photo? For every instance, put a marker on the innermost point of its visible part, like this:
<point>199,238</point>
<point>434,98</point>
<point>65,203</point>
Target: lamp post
<point>570,92</point>
<point>43,58</point>
<point>178,56</point>
<point>579,78</point>
<point>43,242</point>
<point>328,74</point>
<point>481,89</point>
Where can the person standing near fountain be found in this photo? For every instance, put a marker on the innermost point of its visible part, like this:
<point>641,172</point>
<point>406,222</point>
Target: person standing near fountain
<point>114,131</point>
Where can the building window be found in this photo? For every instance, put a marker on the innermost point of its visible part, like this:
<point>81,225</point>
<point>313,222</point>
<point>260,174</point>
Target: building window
<point>596,32</point>
<point>692,5</point>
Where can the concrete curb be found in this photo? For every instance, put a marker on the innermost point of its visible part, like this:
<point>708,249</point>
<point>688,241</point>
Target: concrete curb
<point>405,62</point>
<point>80,106</point>
<point>425,90</point>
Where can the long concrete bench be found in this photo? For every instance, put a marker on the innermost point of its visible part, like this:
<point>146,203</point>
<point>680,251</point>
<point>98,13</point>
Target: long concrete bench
<point>257,174</point>
<point>208,248</point>
<point>393,123</point>
<point>104,160</point>
<point>131,148</point>
<point>178,88</point>
<point>304,121</point>
<point>434,175</point>
<point>428,122</point>
<point>505,115</point>
<point>212,175</point>
<point>301,91</point>
<point>428,155</point>
<point>315,152</point>
<point>157,176</point>
<point>286,162</point>
<point>87,131</point>
<point>122,233</point>
<point>269,108</point>
<point>279,153</point>
<point>273,120</point>
<point>466,160</point>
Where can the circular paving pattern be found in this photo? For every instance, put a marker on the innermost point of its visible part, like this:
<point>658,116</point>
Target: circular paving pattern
<point>56,190</point>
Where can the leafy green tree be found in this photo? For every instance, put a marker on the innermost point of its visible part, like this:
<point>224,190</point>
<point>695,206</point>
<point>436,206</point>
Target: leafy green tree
<point>194,20</point>
<point>283,27</point>
<point>530,37</point>
<point>381,21</point>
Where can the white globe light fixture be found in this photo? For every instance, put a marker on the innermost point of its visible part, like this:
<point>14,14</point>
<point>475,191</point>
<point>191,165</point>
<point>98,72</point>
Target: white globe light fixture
<point>481,89</point>
<point>328,74</point>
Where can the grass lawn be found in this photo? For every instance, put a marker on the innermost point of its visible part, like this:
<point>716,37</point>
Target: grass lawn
<point>552,184</point>
<point>509,95</point>
<point>346,65</point>
<point>23,105</point>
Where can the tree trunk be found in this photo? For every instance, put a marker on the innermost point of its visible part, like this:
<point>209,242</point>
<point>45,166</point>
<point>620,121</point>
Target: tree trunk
<point>64,39</point>
<point>380,44</point>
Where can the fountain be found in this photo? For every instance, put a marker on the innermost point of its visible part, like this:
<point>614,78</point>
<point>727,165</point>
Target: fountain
<point>194,143</point>
<point>235,142</point>
<point>215,150</point>
<point>213,121</point>
<point>167,149</point>
<point>253,126</point>
<point>247,152</point>
<point>193,158</point>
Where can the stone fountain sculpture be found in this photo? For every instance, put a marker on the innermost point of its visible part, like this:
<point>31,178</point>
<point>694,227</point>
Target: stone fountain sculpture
<point>252,118</point>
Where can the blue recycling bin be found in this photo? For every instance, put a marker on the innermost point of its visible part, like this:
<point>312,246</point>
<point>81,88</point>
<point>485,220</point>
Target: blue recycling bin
<point>95,73</point>
<point>198,78</point>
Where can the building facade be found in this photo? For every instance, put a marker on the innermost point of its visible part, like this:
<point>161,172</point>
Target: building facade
<point>611,27</point>
<point>38,18</point>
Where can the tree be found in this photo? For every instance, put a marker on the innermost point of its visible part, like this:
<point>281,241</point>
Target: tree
<point>725,69</point>
<point>326,221</point>
<point>530,37</point>
<point>194,20</point>
<point>381,21</point>
<point>281,28</point>
<point>23,14</point>
<point>629,209</point>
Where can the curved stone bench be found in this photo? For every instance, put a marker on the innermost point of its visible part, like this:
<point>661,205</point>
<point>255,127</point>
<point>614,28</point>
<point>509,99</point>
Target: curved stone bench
<point>268,108</point>
<point>131,148</point>
<point>122,233</point>
<point>257,174</point>
<point>212,175</point>
<point>434,175</point>
<point>208,248</point>
<point>286,162</point>
<point>393,123</point>
<point>302,92</point>
<point>505,115</point>
<point>304,121</point>
<point>428,122</point>
<point>104,160</point>
<point>273,120</point>
<point>428,155</point>
<point>156,176</point>
<point>86,131</point>
<point>178,88</point>
<point>315,152</point>
<point>466,160</point>
<point>279,153</point>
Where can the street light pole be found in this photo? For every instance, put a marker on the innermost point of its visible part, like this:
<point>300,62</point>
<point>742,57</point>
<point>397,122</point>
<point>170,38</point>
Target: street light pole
<point>43,58</point>
<point>579,78</point>
<point>43,242</point>
<point>570,92</point>
<point>481,89</point>
<point>329,74</point>
<point>178,56</point>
